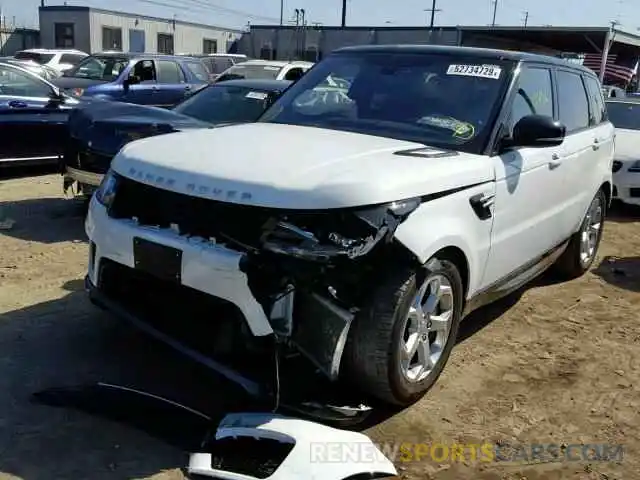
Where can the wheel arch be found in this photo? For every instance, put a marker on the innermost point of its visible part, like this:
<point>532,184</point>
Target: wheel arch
<point>607,188</point>
<point>456,256</point>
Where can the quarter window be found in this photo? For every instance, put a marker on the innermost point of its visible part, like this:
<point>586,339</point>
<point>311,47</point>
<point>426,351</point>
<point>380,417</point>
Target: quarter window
<point>573,101</point>
<point>598,109</point>
<point>534,95</point>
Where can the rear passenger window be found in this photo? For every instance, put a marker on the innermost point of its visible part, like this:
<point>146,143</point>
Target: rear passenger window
<point>534,95</point>
<point>598,108</point>
<point>573,101</point>
<point>169,72</point>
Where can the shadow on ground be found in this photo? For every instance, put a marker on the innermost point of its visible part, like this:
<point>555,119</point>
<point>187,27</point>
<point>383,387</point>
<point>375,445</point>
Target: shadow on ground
<point>43,220</point>
<point>622,272</point>
<point>623,213</point>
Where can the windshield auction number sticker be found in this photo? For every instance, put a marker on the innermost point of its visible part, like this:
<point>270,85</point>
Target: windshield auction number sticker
<point>482,71</point>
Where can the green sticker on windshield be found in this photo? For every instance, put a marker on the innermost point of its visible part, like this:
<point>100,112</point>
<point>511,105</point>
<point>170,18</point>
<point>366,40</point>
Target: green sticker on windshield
<point>460,129</point>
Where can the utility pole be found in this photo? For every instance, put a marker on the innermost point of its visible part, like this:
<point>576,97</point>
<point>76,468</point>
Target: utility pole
<point>526,18</point>
<point>495,11</point>
<point>344,13</point>
<point>433,11</point>
<point>281,12</point>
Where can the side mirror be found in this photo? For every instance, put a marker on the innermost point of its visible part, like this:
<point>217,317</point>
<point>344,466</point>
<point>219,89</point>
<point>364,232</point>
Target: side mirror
<point>537,131</point>
<point>127,82</point>
<point>56,97</point>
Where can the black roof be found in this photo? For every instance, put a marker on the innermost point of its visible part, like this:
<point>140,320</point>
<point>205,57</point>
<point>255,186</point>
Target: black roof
<point>483,53</point>
<point>258,84</point>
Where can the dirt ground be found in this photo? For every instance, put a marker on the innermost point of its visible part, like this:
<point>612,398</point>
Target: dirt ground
<point>556,363</point>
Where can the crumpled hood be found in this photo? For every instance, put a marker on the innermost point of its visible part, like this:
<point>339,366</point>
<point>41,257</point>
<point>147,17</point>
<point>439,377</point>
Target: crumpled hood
<point>627,145</point>
<point>294,167</point>
<point>106,126</point>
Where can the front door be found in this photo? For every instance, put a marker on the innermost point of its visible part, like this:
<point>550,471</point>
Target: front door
<point>529,184</point>
<point>32,126</point>
<point>145,85</point>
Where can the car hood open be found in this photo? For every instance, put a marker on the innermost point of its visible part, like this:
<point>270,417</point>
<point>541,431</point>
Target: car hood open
<point>295,167</point>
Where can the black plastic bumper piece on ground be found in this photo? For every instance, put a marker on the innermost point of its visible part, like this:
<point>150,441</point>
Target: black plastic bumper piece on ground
<point>96,297</point>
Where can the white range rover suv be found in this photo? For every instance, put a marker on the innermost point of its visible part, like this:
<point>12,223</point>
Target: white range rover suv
<point>358,225</point>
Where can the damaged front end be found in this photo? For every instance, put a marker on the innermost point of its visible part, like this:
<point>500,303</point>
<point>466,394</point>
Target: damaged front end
<point>310,271</point>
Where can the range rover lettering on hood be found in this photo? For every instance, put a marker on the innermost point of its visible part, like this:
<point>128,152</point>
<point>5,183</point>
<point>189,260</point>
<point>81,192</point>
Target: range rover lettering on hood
<point>203,190</point>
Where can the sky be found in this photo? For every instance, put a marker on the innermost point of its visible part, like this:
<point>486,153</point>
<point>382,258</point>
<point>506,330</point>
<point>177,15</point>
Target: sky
<point>237,13</point>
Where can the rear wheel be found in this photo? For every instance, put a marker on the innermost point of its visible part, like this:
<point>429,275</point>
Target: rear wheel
<point>583,245</point>
<point>399,343</point>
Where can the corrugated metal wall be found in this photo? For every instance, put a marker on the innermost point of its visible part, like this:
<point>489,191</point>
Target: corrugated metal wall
<point>14,39</point>
<point>289,43</point>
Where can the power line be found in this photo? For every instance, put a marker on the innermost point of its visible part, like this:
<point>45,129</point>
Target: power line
<point>206,6</point>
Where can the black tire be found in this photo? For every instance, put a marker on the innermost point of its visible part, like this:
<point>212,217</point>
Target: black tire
<point>371,359</point>
<point>570,264</point>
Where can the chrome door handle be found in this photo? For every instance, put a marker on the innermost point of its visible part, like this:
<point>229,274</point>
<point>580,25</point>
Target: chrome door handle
<point>596,143</point>
<point>555,161</point>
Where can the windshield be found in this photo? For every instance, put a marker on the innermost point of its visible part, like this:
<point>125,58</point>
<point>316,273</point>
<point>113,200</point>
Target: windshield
<point>40,58</point>
<point>106,68</point>
<point>242,70</point>
<point>226,103</point>
<point>443,100</point>
<point>624,115</point>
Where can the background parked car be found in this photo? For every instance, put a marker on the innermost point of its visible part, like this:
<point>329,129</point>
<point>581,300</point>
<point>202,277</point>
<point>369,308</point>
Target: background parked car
<point>44,71</point>
<point>33,117</point>
<point>266,69</point>
<point>624,113</point>
<point>60,60</point>
<point>145,79</point>
<point>217,63</point>
<point>98,130</point>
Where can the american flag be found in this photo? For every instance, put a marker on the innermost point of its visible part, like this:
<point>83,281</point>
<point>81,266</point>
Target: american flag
<point>613,70</point>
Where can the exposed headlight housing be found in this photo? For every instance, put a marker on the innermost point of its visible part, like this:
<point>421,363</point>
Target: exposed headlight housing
<point>77,92</point>
<point>107,190</point>
<point>321,239</point>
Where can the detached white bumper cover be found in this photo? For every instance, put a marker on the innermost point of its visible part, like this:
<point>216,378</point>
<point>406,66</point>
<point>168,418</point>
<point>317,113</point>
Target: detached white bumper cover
<point>319,452</point>
<point>209,268</point>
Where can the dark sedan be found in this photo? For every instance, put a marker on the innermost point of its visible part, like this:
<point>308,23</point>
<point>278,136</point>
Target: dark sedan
<point>99,130</point>
<point>33,117</point>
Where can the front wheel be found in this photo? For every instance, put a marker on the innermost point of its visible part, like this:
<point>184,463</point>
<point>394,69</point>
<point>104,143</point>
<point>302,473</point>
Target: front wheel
<point>583,245</point>
<point>400,342</point>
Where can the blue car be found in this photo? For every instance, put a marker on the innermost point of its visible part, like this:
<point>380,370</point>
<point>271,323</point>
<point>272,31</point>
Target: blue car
<point>144,79</point>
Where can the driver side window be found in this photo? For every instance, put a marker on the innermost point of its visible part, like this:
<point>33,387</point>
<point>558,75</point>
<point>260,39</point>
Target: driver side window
<point>534,95</point>
<point>18,84</point>
<point>144,71</point>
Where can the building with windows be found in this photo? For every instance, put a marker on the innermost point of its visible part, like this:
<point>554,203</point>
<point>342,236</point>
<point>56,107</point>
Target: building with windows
<point>95,30</point>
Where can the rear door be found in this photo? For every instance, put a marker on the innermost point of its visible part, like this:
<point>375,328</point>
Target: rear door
<point>580,149</point>
<point>172,84</point>
<point>31,125</point>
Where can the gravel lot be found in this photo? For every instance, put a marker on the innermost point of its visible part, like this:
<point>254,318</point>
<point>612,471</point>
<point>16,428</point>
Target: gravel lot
<point>556,363</point>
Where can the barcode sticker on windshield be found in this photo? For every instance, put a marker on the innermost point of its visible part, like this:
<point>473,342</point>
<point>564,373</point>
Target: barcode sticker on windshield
<point>482,71</point>
<point>256,95</point>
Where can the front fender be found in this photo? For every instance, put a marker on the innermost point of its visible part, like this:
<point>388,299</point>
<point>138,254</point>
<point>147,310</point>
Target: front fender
<point>450,221</point>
